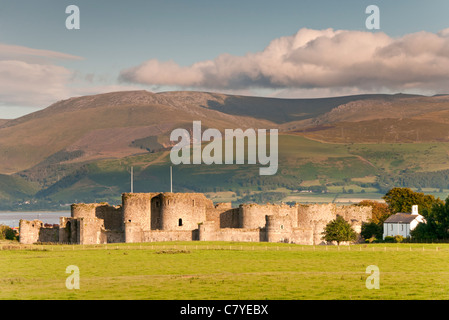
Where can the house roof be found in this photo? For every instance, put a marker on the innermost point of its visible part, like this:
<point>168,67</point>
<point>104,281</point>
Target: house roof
<point>401,218</point>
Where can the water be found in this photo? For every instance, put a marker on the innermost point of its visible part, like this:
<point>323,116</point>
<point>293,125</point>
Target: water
<point>12,218</point>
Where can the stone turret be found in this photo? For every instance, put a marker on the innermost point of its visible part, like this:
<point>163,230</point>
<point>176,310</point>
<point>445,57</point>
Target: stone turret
<point>278,228</point>
<point>183,211</point>
<point>136,215</point>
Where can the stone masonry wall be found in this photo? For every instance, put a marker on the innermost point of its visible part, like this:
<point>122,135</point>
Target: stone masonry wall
<point>223,215</point>
<point>209,232</point>
<point>35,231</point>
<point>278,228</point>
<point>316,216</point>
<point>183,211</point>
<point>162,235</point>
<point>253,215</point>
<point>137,209</point>
<point>93,223</point>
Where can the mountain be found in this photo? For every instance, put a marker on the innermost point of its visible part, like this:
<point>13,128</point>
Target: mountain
<point>82,148</point>
<point>105,125</point>
<point>400,119</point>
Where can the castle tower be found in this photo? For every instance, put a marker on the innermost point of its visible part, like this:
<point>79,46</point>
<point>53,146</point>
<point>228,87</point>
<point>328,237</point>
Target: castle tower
<point>252,216</point>
<point>183,211</point>
<point>278,228</point>
<point>136,215</point>
<point>84,226</point>
<point>29,231</point>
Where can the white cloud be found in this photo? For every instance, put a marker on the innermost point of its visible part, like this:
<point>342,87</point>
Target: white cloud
<point>13,52</point>
<point>29,77</point>
<point>335,60</point>
<point>28,84</point>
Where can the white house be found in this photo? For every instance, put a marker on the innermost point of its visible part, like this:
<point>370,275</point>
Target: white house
<point>402,223</point>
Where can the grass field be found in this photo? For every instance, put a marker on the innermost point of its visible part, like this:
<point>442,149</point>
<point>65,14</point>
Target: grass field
<point>228,271</point>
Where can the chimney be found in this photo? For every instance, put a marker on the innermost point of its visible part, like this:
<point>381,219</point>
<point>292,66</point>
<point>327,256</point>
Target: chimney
<point>415,210</point>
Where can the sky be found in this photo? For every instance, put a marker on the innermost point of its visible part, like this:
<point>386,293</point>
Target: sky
<point>286,49</point>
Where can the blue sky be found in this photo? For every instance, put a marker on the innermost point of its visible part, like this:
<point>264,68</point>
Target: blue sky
<point>119,35</point>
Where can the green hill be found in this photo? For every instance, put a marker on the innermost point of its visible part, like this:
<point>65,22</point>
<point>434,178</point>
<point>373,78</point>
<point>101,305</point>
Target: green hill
<point>330,149</point>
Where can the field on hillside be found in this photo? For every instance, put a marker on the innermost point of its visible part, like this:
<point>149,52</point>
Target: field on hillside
<point>224,271</point>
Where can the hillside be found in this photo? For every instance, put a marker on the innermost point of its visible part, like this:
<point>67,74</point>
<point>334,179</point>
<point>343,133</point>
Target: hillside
<point>81,149</point>
<point>102,126</point>
<point>404,119</point>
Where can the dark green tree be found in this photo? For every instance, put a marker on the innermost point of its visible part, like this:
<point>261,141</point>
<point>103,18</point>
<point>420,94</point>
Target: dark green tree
<point>436,225</point>
<point>371,229</point>
<point>402,200</point>
<point>7,233</point>
<point>339,230</point>
<point>423,231</point>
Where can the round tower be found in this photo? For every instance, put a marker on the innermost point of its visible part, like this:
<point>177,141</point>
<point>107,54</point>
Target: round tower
<point>137,209</point>
<point>183,211</point>
<point>278,228</point>
<point>83,210</point>
<point>252,216</point>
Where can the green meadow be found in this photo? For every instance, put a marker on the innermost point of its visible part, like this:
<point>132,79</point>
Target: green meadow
<point>220,270</point>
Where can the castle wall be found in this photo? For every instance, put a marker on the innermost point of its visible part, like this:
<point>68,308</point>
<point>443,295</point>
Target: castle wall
<point>209,232</point>
<point>133,232</point>
<point>253,215</point>
<point>90,231</point>
<point>69,230</point>
<point>304,236</point>
<point>223,215</point>
<point>112,236</point>
<point>174,235</point>
<point>49,234</point>
<point>112,216</point>
<point>315,217</point>
<point>355,215</point>
<point>93,223</point>
<point>35,231</point>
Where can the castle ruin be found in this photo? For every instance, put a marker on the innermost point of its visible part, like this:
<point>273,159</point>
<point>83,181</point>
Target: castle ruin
<point>148,217</point>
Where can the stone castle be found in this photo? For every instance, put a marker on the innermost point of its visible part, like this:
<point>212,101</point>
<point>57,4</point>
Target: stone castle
<point>147,217</point>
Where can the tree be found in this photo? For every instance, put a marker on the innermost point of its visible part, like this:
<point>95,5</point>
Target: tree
<point>7,233</point>
<point>402,200</point>
<point>339,230</point>
<point>423,231</point>
<point>372,230</point>
<point>380,212</point>
<point>436,225</point>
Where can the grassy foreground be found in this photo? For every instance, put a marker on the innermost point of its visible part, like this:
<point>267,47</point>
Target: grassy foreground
<point>229,271</point>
